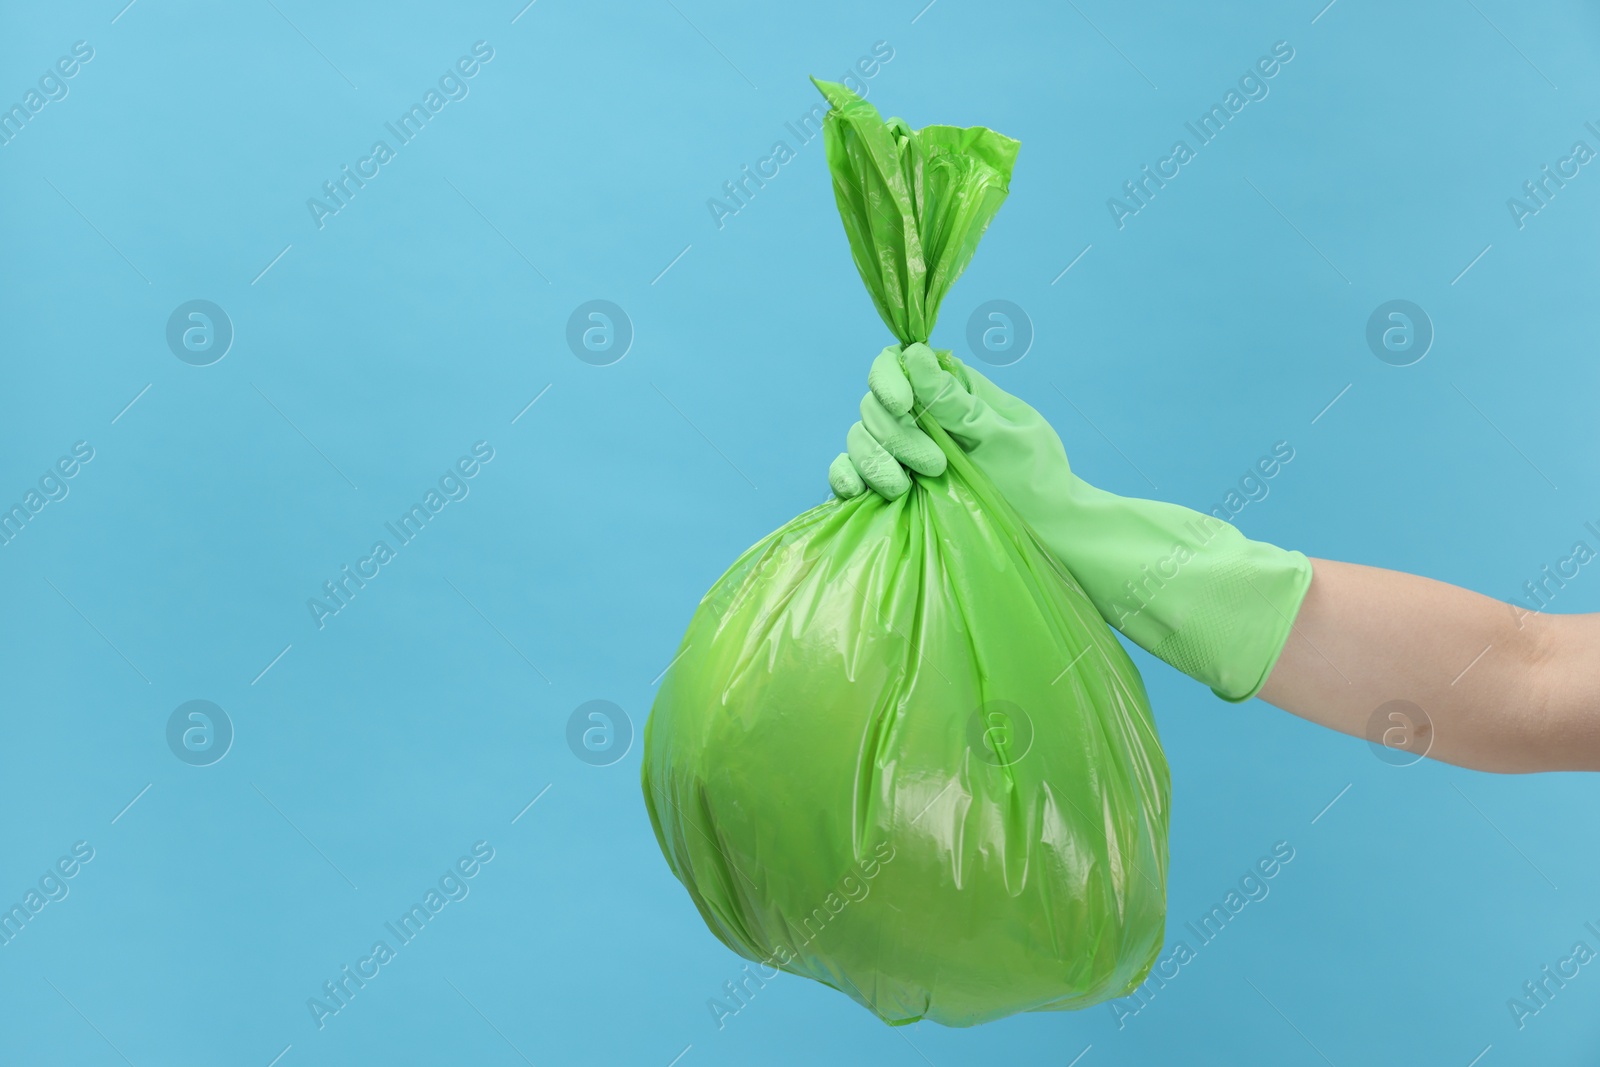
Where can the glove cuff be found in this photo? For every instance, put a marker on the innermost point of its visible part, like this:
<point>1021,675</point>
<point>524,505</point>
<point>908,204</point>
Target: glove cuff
<point>1281,583</point>
<point>1188,588</point>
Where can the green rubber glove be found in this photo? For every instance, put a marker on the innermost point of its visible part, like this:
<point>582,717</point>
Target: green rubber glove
<point>1186,587</point>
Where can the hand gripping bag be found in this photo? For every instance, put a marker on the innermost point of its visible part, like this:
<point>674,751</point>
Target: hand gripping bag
<point>899,752</point>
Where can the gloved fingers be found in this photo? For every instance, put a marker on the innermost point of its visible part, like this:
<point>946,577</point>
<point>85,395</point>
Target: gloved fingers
<point>889,383</point>
<point>876,467</point>
<point>901,437</point>
<point>843,478</point>
<point>937,390</point>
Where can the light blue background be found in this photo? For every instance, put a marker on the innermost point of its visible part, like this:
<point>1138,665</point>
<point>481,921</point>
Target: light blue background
<point>424,717</point>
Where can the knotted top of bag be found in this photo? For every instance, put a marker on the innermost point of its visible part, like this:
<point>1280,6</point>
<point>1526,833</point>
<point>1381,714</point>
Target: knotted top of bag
<point>914,203</point>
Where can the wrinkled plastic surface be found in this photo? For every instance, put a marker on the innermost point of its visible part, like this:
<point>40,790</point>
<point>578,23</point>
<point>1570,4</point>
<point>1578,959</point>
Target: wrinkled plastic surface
<point>900,753</point>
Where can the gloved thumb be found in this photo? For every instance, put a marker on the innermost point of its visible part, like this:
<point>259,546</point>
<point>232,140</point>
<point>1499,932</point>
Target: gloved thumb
<point>943,395</point>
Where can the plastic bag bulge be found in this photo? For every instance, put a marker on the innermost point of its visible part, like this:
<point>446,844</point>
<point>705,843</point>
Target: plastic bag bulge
<point>900,753</point>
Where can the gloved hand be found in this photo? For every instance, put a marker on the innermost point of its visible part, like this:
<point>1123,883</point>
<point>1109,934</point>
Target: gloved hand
<point>1188,588</point>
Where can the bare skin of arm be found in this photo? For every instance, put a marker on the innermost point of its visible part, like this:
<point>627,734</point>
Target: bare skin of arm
<point>1505,690</point>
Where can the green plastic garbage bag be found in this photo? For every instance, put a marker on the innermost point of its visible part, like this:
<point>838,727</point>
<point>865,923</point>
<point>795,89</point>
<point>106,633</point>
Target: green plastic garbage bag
<point>899,752</point>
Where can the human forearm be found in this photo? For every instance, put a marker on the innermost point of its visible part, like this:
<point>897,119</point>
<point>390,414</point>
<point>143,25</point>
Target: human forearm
<point>1503,690</point>
<point>1498,689</point>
